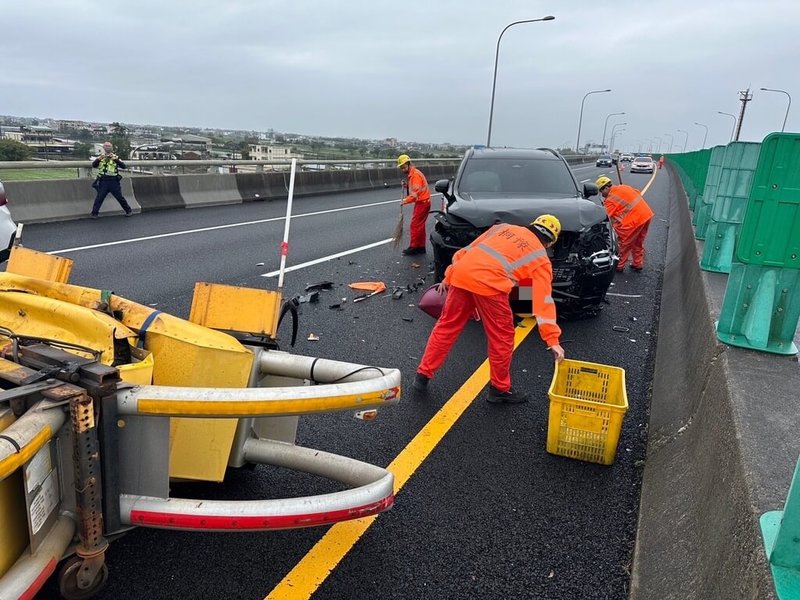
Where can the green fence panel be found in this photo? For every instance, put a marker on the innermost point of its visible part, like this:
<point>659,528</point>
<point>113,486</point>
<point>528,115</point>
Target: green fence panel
<point>761,307</point>
<point>706,199</point>
<point>698,175</point>
<point>727,210</point>
<point>771,228</point>
<point>780,530</point>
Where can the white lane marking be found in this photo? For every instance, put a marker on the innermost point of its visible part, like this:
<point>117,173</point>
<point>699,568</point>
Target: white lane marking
<point>624,295</point>
<point>585,180</point>
<point>216,227</point>
<point>316,261</point>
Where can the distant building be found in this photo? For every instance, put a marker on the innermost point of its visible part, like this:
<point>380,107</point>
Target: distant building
<point>271,152</point>
<point>186,143</point>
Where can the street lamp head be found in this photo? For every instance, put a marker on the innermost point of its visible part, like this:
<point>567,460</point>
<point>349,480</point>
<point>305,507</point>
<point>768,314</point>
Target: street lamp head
<point>548,18</point>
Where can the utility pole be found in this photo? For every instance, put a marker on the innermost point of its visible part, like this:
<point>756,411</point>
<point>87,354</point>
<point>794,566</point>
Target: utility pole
<point>744,97</point>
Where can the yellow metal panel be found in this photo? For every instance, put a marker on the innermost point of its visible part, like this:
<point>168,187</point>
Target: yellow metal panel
<point>31,263</point>
<point>13,522</point>
<point>235,308</point>
<point>140,371</point>
<point>27,314</point>
<point>184,354</point>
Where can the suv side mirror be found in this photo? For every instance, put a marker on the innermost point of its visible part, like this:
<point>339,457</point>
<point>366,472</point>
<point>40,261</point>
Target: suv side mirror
<point>590,189</point>
<point>442,186</point>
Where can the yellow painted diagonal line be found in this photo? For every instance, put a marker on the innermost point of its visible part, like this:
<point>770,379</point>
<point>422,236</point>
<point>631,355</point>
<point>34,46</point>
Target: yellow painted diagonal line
<point>319,562</point>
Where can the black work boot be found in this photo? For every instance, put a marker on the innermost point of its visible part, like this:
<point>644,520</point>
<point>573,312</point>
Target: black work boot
<point>420,382</point>
<point>512,396</point>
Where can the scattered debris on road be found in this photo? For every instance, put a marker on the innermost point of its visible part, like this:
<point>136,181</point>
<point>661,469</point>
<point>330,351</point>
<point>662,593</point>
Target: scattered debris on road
<point>313,338</point>
<point>320,285</point>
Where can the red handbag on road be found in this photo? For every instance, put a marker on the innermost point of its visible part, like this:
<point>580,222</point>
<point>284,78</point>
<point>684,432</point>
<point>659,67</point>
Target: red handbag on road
<point>432,303</point>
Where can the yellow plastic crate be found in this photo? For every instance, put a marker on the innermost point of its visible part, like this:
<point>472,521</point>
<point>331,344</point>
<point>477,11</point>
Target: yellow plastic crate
<point>587,404</point>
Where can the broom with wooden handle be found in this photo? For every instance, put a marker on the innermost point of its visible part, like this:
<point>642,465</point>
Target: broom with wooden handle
<point>398,229</point>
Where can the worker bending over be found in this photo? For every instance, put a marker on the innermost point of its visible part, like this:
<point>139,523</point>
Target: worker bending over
<point>630,216</point>
<point>480,278</point>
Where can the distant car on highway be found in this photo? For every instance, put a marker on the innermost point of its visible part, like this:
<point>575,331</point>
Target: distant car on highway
<point>642,164</point>
<point>506,185</point>
<point>8,228</point>
<point>604,161</point>
<point>626,157</point>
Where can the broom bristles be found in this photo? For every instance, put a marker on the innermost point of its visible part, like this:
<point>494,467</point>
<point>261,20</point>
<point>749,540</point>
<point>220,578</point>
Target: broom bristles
<point>398,230</point>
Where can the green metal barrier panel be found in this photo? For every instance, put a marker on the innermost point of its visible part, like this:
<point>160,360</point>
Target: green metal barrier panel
<point>781,533</point>
<point>771,228</point>
<point>703,205</point>
<point>761,308</point>
<point>699,174</point>
<point>728,208</point>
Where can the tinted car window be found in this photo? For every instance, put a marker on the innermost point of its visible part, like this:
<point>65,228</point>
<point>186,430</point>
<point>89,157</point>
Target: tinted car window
<point>516,176</point>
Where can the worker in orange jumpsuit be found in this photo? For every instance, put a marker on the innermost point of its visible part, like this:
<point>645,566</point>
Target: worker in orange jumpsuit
<point>630,215</point>
<point>480,278</point>
<point>418,194</point>
<point>661,162</point>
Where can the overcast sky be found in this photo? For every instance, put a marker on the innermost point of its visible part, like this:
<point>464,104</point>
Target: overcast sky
<point>413,70</point>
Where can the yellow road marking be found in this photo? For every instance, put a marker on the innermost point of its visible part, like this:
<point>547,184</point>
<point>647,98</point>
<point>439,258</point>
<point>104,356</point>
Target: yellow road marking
<point>319,562</point>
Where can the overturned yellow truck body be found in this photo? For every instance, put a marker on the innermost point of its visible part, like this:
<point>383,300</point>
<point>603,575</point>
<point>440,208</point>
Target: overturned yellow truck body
<point>104,400</point>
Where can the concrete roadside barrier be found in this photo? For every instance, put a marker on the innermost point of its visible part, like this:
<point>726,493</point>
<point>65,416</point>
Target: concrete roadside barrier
<point>155,193</point>
<point>722,442</point>
<point>211,189</point>
<point>61,200</point>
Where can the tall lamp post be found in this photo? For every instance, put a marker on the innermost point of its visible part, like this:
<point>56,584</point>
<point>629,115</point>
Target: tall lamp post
<point>787,107</point>
<point>733,131</point>
<point>494,77</point>
<point>613,134</point>
<point>705,136</point>
<point>670,141</point>
<point>685,140</point>
<point>659,144</point>
<point>580,119</point>
<point>603,143</point>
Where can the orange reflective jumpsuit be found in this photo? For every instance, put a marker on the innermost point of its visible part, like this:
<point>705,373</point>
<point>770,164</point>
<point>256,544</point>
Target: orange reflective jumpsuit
<point>481,276</point>
<point>630,215</point>
<point>420,195</point>
<point>661,162</point>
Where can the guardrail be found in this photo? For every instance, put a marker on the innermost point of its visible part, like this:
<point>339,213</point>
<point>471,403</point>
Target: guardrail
<point>164,167</point>
<point>45,200</point>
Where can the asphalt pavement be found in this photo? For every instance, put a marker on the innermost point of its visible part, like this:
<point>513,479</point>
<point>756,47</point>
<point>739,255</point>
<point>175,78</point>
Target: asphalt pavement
<point>489,513</point>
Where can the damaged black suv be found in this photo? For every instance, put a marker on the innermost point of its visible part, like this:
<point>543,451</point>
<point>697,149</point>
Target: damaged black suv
<point>503,185</point>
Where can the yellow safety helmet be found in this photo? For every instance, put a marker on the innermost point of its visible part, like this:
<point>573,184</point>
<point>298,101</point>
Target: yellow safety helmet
<point>548,225</point>
<point>603,181</point>
<point>403,159</point>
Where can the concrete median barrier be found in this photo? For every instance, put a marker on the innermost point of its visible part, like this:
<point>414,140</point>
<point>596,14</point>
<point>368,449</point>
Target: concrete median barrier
<point>722,442</point>
<point>61,199</point>
<point>65,199</point>
<point>211,189</point>
<point>155,193</point>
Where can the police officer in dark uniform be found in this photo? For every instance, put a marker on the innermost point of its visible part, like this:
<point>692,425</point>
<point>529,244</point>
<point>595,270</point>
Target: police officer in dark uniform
<point>108,165</point>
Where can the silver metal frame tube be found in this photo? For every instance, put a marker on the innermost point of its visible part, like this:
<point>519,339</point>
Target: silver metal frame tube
<point>24,431</point>
<point>374,494</point>
<point>30,571</point>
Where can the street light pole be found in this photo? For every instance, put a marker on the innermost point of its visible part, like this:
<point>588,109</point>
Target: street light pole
<point>670,141</point>
<point>613,133</point>
<point>603,143</point>
<point>686,139</point>
<point>706,134</point>
<point>734,122</point>
<point>494,77</point>
<point>580,119</point>
<point>787,107</point>
<point>659,144</point>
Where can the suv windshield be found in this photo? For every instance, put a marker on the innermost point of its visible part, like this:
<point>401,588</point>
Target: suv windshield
<point>516,176</point>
